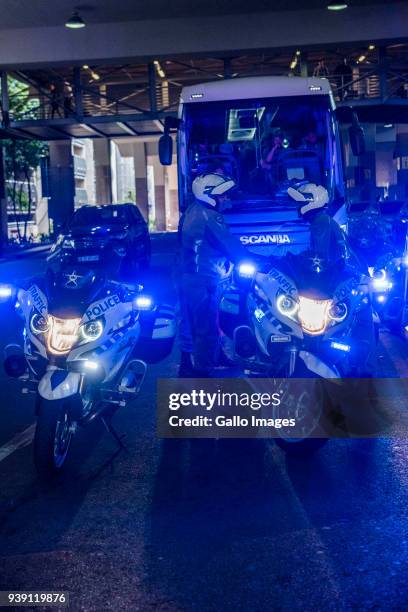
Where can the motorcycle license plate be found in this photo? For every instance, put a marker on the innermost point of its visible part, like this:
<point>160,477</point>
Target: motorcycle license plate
<point>89,258</point>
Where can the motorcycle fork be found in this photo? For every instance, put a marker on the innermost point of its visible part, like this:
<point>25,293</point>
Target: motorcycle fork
<point>292,360</point>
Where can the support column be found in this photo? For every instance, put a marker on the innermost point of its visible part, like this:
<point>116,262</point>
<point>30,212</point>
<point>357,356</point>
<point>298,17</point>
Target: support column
<point>140,167</point>
<point>159,187</point>
<point>62,184</point>
<point>172,207</point>
<point>5,104</point>
<point>3,205</point>
<point>103,176</point>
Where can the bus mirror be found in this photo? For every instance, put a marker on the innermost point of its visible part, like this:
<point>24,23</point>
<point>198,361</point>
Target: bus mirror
<point>166,149</point>
<point>357,142</point>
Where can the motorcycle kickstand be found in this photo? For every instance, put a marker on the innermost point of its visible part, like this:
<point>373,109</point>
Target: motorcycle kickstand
<point>110,429</point>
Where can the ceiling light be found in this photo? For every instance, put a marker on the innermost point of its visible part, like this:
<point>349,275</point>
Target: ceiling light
<point>388,125</point>
<point>371,47</point>
<point>361,59</point>
<point>75,22</point>
<point>337,5</point>
<point>95,76</point>
<point>298,52</point>
<point>85,66</point>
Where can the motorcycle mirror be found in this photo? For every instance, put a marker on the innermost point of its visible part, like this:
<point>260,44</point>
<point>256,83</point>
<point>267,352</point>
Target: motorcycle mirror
<point>166,149</point>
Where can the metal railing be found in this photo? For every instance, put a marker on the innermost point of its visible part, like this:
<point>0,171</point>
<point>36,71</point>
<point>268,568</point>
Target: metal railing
<point>365,82</point>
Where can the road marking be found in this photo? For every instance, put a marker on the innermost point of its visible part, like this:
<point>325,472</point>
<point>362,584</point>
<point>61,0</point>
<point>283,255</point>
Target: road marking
<point>22,439</point>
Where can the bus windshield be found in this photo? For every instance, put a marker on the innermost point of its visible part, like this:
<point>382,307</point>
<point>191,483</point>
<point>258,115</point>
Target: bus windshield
<point>266,145</point>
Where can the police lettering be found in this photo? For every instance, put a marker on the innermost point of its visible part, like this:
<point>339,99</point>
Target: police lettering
<point>37,299</point>
<point>101,307</point>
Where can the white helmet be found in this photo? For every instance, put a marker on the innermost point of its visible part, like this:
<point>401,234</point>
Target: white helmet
<point>313,197</point>
<point>207,187</point>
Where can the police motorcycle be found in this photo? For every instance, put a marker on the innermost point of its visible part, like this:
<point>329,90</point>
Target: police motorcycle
<point>87,340</point>
<point>300,316</point>
<point>384,248</point>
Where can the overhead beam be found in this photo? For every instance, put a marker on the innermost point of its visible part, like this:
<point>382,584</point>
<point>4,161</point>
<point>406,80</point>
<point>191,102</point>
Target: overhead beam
<point>222,34</point>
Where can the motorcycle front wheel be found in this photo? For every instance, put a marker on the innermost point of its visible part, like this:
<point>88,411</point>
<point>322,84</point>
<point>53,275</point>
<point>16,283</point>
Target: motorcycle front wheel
<point>53,436</point>
<point>307,444</point>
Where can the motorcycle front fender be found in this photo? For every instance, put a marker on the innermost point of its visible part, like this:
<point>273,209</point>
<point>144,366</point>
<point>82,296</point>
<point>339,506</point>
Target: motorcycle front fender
<point>59,384</point>
<point>317,366</point>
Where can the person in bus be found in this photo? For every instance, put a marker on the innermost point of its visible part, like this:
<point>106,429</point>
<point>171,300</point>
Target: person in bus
<point>207,250</point>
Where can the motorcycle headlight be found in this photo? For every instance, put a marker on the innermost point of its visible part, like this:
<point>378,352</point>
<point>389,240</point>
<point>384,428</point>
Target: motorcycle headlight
<point>380,281</point>
<point>287,305</point>
<point>63,333</point>
<point>313,315</point>
<point>92,330</point>
<point>338,312</point>
<point>39,324</point>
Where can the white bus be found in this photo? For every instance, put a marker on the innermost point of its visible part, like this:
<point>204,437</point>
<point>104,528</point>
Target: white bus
<point>268,133</point>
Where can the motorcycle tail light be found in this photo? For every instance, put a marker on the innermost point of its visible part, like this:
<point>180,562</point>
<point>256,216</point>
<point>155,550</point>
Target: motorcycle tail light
<point>63,333</point>
<point>313,315</point>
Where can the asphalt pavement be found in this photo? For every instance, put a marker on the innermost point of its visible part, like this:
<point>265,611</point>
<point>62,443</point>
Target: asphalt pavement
<point>201,524</point>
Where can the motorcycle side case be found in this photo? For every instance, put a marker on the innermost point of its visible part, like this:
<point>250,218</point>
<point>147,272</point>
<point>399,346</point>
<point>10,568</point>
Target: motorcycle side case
<point>158,331</point>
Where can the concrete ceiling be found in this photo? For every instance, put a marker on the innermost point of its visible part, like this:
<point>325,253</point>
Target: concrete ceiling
<point>43,13</point>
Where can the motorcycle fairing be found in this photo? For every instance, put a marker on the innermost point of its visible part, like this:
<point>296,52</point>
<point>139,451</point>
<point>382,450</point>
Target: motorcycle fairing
<point>317,366</point>
<point>58,384</point>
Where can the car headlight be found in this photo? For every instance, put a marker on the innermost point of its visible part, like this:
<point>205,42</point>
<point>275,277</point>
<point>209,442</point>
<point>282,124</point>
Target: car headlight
<point>92,330</point>
<point>314,315</point>
<point>287,305</point>
<point>63,334</point>
<point>68,243</point>
<point>39,324</point>
<point>338,312</point>
<point>380,281</point>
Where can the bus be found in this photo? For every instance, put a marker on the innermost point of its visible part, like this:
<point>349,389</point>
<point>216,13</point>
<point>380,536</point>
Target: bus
<point>267,133</point>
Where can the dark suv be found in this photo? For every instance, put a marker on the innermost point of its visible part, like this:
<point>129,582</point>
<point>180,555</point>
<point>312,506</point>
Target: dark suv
<point>114,236</point>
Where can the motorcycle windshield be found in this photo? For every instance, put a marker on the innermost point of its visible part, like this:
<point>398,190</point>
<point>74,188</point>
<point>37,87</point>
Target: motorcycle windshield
<point>316,278</point>
<point>72,290</point>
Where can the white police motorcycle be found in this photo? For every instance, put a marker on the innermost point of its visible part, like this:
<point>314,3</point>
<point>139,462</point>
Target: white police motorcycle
<point>300,320</point>
<point>86,344</point>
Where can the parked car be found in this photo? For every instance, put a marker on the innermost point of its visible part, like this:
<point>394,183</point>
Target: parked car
<point>114,235</point>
